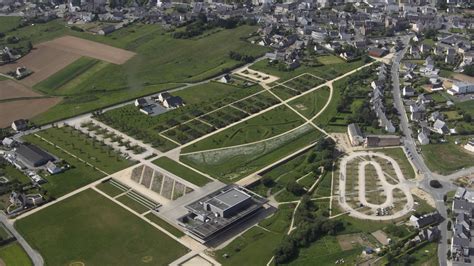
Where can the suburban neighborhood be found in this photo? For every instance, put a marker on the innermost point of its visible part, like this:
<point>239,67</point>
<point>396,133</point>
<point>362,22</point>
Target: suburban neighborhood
<point>260,132</point>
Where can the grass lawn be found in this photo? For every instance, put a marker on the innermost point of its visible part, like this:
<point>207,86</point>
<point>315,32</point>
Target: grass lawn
<point>89,228</point>
<point>269,124</point>
<point>324,186</point>
<point>93,152</point>
<point>447,157</point>
<point>206,91</point>
<point>52,84</point>
<point>110,189</point>
<point>327,72</point>
<point>310,104</point>
<point>77,176</point>
<point>326,251</point>
<point>330,60</point>
<point>399,156</point>
<point>254,247</point>
<point>467,106</point>
<point>165,225</point>
<point>426,255</point>
<point>182,171</point>
<point>14,255</point>
<point>239,162</point>
<point>133,204</point>
<point>12,173</point>
<point>8,23</point>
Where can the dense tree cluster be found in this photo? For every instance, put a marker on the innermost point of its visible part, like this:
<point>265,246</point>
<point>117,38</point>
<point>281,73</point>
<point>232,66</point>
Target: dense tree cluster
<point>201,24</point>
<point>309,228</point>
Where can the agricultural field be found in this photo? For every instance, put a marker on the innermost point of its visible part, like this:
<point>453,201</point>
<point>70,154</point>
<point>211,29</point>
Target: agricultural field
<point>89,229</point>
<point>14,255</point>
<point>25,108</point>
<point>182,171</point>
<point>80,173</point>
<point>10,90</point>
<point>86,148</point>
<point>55,82</point>
<point>111,83</point>
<point>180,125</point>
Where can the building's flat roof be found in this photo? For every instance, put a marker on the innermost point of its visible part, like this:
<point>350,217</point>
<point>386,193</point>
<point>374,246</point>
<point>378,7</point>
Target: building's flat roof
<point>229,198</point>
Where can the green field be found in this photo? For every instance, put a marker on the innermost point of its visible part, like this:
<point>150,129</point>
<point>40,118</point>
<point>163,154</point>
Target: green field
<point>133,204</point>
<point>238,162</point>
<point>163,224</point>
<point>14,174</point>
<point>91,229</point>
<point>310,104</point>
<point>79,174</point>
<point>109,189</point>
<point>178,60</point>
<point>467,106</point>
<point>327,72</point>
<point>92,151</point>
<point>14,255</point>
<point>326,251</point>
<point>330,60</point>
<point>254,247</point>
<point>267,125</point>
<point>8,23</point>
<point>182,171</point>
<point>205,92</point>
<point>446,158</point>
<point>53,84</point>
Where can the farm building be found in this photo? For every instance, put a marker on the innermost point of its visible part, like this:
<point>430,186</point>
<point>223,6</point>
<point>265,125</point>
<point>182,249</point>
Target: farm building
<point>33,156</point>
<point>20,125</point>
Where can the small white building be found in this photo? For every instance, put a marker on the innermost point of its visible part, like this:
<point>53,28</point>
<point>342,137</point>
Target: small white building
<point>469,146</point>
<point>423,138</point>
<point>461,88</point>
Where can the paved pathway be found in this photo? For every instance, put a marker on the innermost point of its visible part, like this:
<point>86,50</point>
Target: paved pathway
<point>33,254</point>
<point>387,187</point>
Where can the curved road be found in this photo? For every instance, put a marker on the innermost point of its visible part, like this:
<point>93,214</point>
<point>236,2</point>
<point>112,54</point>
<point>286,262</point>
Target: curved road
<point>388,188</point>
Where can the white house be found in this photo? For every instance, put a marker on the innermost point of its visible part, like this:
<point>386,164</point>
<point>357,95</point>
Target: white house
<point>423,139</point>
<point>462,88</point>
<point>470,146</point>
<point>440,127</point>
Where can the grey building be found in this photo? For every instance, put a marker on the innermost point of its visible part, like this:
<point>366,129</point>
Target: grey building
<point>33,156</point>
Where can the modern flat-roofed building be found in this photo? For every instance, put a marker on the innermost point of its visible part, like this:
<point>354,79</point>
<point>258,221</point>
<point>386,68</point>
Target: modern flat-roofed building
<point>219,211</point>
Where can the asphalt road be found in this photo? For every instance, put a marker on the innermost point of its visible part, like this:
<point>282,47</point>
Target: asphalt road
<point>33,254</point>
<point>416,158</point>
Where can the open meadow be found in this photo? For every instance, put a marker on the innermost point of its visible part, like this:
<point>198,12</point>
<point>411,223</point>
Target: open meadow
<point>89,229</point>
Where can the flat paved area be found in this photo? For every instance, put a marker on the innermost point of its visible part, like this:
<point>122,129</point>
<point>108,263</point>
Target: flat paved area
<point>387,187</point>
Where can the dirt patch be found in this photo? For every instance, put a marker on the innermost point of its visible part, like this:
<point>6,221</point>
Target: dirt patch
<point>348,242</point>
<point>381,237</point>
<point>26,109</point>
<point>44,61</point>
<point>424,196</point>
<point>10,89</point>
<point>78,46</point>
<point>464,78</point>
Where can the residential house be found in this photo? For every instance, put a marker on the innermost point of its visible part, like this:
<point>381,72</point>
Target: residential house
<point>423,138</point>
<point>469,146</point>
<point>425,220</point>
<point>408,91</point>
<point>173,102</point>
<point>440,127</point>
<point>20,125</point>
